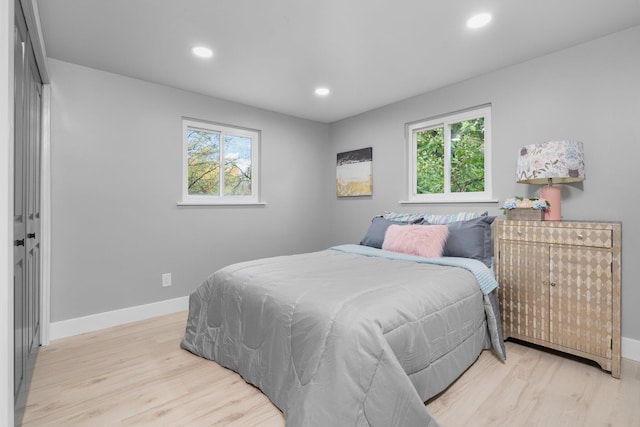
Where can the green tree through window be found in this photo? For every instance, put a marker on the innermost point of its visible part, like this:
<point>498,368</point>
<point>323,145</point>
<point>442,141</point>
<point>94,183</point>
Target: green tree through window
<point>430,161</point>
<point>449,156</point>
<point>467,156</point>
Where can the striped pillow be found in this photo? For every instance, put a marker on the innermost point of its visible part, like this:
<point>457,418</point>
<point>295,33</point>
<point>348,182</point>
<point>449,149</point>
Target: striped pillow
<point>404,217</point>
<point>448,219</point>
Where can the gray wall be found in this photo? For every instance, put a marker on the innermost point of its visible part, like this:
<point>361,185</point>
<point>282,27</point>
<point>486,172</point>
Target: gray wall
<point>116,178</point>
<point>590,92</point>
<point>116,164</point>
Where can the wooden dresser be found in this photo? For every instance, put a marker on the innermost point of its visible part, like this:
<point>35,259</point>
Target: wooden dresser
<point>560,286</point>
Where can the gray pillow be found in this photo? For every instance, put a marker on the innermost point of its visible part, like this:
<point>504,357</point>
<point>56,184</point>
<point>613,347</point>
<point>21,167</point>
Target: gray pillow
<point>471,239</point>
<point>377,229</point>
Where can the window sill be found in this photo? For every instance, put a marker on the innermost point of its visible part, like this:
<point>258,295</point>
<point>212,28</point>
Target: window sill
<point>221,204</point>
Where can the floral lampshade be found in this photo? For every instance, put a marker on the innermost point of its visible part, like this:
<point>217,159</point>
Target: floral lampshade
<point>553,161</point>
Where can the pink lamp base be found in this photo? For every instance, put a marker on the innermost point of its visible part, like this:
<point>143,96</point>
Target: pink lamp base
<point>552,195</point>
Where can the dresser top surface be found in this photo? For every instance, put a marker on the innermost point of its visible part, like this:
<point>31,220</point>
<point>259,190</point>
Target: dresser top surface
<point>561,224</point>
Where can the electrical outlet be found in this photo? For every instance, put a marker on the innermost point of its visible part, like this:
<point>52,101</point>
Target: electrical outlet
<point>166,280</point>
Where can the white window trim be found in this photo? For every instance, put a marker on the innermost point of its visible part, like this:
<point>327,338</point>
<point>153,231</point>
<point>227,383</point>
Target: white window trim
<point>222,200</point>
<point>447,197</point>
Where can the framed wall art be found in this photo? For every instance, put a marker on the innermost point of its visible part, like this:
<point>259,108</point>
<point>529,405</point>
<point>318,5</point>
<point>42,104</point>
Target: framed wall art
<point>353,173</point>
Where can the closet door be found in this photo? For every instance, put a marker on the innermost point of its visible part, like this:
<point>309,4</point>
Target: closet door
<point>26,216</point>
<point>32,203</point>
<point>19,205</point>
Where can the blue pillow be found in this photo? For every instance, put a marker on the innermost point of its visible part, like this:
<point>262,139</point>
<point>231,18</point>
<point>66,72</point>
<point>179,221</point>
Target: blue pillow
<point>470,239</point>
<point>377,229</point>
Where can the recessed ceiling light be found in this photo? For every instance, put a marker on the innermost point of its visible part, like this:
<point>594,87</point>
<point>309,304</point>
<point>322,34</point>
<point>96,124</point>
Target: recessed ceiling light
<point>479,20</point>
<point>202,51</point>
<point>322,91</point>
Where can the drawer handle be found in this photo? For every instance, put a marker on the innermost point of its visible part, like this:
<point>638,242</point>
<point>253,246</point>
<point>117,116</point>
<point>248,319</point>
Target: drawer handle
<point>580,236</point>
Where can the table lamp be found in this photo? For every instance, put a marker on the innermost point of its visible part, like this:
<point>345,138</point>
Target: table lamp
<point>548,163</point>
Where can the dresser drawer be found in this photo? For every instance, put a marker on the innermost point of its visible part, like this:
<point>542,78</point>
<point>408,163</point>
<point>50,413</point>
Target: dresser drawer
<point>591,237</point>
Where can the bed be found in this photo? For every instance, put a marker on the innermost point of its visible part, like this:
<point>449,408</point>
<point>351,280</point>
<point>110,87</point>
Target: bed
<point>353,335</point>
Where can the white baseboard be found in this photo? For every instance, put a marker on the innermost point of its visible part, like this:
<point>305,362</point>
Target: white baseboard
<point>94,322</point>
<point>631,349</point>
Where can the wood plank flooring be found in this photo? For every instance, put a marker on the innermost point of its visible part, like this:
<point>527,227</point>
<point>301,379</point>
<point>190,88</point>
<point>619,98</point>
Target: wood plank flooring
<point>136,375</point>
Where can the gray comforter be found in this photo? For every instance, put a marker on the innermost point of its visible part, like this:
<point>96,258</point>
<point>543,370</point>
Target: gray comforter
<point>341,339</point>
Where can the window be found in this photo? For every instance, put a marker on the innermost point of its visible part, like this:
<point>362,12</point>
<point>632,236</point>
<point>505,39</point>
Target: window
<point>449,158</point>
<point>220,164</point>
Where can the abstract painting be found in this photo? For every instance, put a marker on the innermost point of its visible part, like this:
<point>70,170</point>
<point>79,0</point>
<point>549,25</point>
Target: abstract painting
<point>353,173</point>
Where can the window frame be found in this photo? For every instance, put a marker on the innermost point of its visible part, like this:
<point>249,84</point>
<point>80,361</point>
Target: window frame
<point>446,121</point>
<point>222,199</point>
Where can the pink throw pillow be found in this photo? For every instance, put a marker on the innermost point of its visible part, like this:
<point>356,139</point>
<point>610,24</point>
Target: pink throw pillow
<point>422,240</point>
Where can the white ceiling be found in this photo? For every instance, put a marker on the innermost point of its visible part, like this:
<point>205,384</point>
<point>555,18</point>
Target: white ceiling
<point>273,53</point>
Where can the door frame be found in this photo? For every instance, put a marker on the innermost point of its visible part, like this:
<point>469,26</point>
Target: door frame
<point>7,20</point>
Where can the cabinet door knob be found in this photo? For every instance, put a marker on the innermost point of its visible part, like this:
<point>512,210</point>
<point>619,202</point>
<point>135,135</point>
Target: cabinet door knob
<point>545,283</point>
<point>19,242</point>
<point>553,283</point>
<point>31,235</point>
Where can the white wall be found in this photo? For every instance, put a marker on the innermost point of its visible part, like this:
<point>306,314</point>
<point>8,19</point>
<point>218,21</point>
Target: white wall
<point>116,178</point>
<point>590,92</point>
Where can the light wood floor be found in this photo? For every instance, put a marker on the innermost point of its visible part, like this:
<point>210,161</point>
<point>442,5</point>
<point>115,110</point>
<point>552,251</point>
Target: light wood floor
<point>136,375</point>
